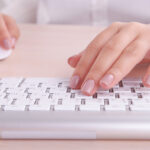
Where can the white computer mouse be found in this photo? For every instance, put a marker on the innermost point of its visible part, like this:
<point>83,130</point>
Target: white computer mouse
<point>4,53</point>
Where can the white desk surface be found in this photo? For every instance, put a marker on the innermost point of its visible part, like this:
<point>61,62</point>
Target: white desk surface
<point>43,51</point>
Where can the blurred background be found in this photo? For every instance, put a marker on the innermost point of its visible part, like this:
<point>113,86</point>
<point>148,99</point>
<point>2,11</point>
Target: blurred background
<point>83,12</point>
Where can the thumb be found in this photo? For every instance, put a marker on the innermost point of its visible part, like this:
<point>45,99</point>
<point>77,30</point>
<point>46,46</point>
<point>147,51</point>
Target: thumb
<point>73,60</point>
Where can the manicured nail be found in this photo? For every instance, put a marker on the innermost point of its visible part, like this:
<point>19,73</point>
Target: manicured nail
<point>7,44</point>
<point>88,86</point>
<point>13,41</point>
<point>74,81</point>
<point>148,80</point>
<point>71,60</point>
<point>107,80</point>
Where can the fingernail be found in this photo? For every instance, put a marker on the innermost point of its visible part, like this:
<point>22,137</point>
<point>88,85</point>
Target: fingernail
<point>88,86</point>
<point>74,81</point>
<point>107,80</point>
<point>148,80</point>
<point>71,60</point>
<point>13,40</point>
<point>7,44</point>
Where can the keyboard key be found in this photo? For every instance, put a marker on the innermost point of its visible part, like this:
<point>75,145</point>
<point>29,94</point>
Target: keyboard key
<point>140,108</point>
<point>65,107</point>
<point>40,107</point>
<point>115,107</point>
<point>24,101</point>
<point>90,107</point>
<point>14,107</point>
<point>131,84</point>
<point>141,102</point>
<point>94,102</point>
<point>118,102</point>
<point>6,101</point>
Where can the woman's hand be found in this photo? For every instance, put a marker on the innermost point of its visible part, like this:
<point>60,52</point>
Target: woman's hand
<point>9,32</point>
<point>111,56</point>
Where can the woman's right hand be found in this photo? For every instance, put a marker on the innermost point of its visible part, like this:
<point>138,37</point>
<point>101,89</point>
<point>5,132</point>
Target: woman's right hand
<point>9,32</point>
<point>111,56</point>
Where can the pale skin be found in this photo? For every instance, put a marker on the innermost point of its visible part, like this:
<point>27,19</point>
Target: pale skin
<point>111,55</point>
<point>9,32</point>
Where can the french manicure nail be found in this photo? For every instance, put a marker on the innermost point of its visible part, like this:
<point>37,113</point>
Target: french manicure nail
<point>148,80</point>
<point>107,80</point>
<point>88,86</point>
<point>74,81</point>
<point>7,44</point>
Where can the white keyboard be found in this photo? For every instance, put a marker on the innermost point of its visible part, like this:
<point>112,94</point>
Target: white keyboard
<point>54,94</point>
<point>46,108</point>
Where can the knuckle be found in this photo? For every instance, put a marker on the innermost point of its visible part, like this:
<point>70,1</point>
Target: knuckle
<point>134,52</point>
<point>9,18</point>
<point>92,46</point>
<point>115,24</point>
<point>145,34</point>
<point>116,71</point>
<point>140,43</point>
<point>94,74</point>
<point>97,71</point>
<point>110,46</point>
<point>134,25</point>
<point>81,66</point>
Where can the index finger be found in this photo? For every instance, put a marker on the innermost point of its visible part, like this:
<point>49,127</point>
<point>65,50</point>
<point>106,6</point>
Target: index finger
<point>12,26</point>
<point>91,53</point>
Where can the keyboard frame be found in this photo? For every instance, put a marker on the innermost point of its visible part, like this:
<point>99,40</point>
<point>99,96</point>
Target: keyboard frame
<point>74,125</point>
